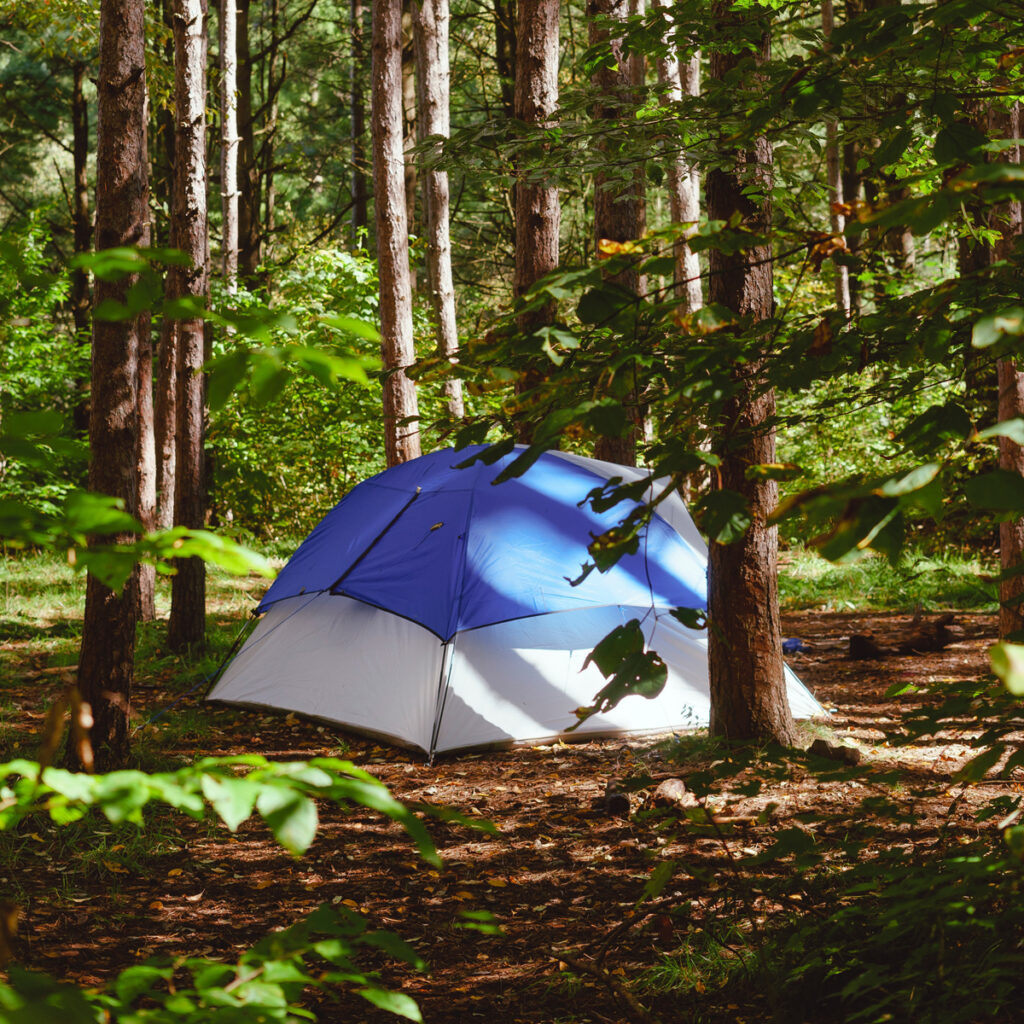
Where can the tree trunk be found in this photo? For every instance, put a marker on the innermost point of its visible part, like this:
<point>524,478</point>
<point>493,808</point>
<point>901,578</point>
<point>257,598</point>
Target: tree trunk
<point>505,53</point>
<point>1011,405</point>
<point>228,45</point>
<point>680,77</point>
<point>82,232</point>
<point>409,123</point>
<point>619,204</point>
<point>106,661</point>
<point>165,426</point>
<point>837,221</point>
<point>144,504</point>
<point>748,690</point>
<point>430,23</point>
<point>249,253</point>
<point>357,101</point>
<point>189,222</point>
<point>401,439</point>
<point>538,213</point>
<point>276,67</point>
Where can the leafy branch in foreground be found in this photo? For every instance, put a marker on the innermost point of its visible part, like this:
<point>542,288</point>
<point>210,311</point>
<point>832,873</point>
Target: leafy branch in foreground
<point>265,984</point>
<point>268,981</point>
<point>282,793</point>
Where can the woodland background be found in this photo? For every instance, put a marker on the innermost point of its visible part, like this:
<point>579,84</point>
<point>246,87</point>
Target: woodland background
<point>771,251</point>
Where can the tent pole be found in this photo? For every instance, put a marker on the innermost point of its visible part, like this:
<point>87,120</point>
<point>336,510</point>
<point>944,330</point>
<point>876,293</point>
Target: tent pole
<point>447,650</point>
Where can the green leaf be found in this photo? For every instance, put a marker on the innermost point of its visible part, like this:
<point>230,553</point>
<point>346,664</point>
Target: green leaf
<point>692,618</point>
<point>394,1002</point>
<point>659,878</point>
<point>223,375</point>
<point>999,490</point>
<point>893,148</point>
<point>232,798</point>
<point>291,816</point>
<point>724,516</point>
<point>1013,429</point>
<point>956,141</point>
<point>358,327</point>
<point>989,329</point>
<point>976,769</point>
<point>1007,661</point>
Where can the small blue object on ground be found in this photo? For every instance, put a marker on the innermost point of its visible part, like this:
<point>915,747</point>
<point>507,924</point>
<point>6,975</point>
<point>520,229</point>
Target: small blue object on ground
<point>794,645</point>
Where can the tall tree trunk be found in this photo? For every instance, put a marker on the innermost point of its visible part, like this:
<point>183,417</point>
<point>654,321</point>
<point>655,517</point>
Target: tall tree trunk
<point>228,46</point>
<point>1011,405</point>
<point>401,439</point>
<point>538,213</point>
<point>165,425</point>
<point>837,221</point>
<point>619,205</point>
<point>505,53</point>
<point>357,108</point>
<point>249,253</point>
<point>430,22</point>
<point>82,231</point>
<point>106,661</point>
<point>680,77</point>
<point>276,71</point>
<point>409,122</point>
<point>189,221</point>
<point>166,397</point>
<point>144,506</point>
<point>748,690</point>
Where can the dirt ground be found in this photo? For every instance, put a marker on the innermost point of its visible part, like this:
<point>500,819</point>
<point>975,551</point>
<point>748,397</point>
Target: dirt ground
<point>559,874</point>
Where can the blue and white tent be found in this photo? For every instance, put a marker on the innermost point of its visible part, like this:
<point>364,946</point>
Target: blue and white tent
<point>435,609</point>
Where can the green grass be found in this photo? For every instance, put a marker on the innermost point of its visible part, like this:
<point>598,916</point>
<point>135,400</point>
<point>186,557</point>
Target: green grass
<point>932,582</point>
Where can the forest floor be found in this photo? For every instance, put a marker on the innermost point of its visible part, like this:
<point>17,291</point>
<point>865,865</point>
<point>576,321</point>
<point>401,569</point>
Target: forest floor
<point>561,875</point>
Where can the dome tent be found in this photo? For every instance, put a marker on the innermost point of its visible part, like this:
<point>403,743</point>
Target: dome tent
<point>436,610</point>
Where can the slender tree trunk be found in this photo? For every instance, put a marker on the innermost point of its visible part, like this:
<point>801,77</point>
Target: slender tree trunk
<point>106,661</point>
<point>748,690</point>
<point>505,53</point>
<point>165,426</point>
<point>80,302</point>
<point>144,506</point>
<point>430,22</point>
<point>228,45</point>
<point>249,254</point>
<point>1011,406</point>
<point>619,199</point>
<point>837,221</point>
<point>357,108</point>
<point>409,133</point>
<point>401,424</point>
<point>538,213</point>
<point>189,221</point>
<point>276,66</point>
<point>680,77</point>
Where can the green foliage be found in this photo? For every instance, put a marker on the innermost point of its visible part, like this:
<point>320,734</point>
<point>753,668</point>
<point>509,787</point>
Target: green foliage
<point>266,984</point>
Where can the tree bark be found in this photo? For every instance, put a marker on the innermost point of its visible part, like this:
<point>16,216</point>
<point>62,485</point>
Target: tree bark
<point>228,46</point>
<point>1011,406</point>
<point>189,223</point>
<point>620,213</point>
<point>249,247</point>
<point>679,77</point>
<point>357,108</point>
<point>401,438</point>
<point>144,504</point>
<point>430,23</point>
<point>837,221</point>
<point>106,660</point>
<point>748,690</point>
<point>165,425</point>
<point>538,213</point>
<point>505,53</point>
<point>82,224</point>
<point>409,133</point>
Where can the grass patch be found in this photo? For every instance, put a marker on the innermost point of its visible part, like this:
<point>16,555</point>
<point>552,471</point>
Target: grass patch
<point>933,582</point>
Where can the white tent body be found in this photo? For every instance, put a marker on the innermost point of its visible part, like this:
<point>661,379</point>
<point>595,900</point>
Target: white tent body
<point>518,681</point>
<point>515,682</point>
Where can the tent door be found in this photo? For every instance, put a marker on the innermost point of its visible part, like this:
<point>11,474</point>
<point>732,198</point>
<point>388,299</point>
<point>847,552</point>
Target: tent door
<point>443,680</point>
